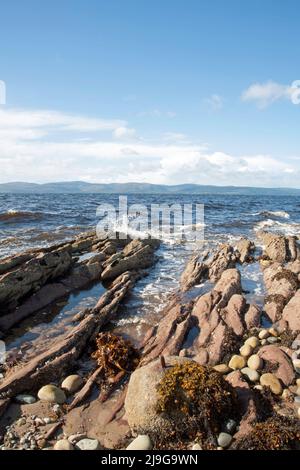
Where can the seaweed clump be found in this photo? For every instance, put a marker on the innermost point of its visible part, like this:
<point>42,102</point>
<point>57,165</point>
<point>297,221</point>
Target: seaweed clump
<point>115,354</point>
<point>196,396</point>
<point>289,276</point>
<point>277,433</point>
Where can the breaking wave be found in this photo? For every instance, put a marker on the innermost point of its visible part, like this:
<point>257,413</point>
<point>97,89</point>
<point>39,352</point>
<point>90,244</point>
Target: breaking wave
<point>281,214</point>
<point>276,226</point>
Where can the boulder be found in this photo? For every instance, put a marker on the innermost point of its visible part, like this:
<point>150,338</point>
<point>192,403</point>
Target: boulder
<point>141,398</point>
<point>279,362</point>
<point>161,399</point>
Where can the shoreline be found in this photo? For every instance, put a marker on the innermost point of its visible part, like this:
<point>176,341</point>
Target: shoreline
<point>217,329</point>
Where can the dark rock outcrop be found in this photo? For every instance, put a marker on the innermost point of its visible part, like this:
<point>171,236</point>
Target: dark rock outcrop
<point>137,255</point>
<point>32,275</point>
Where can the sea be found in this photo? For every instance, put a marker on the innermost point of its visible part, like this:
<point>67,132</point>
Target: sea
<point>39,220</point>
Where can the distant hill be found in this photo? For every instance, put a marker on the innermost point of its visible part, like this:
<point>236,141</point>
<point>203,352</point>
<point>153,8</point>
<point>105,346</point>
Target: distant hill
<point>136,188</point>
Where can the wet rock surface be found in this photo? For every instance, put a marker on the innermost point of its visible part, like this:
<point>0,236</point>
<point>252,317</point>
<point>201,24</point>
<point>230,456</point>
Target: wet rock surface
<point>79,394</point>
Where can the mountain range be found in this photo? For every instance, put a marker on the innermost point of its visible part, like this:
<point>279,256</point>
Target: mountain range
<point>137,188</point>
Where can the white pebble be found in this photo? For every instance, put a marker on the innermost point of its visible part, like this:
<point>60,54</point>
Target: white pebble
<point>224,440</point>
<point>141,442</point>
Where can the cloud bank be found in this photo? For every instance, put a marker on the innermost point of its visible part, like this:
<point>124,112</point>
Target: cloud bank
<point>44,146</point>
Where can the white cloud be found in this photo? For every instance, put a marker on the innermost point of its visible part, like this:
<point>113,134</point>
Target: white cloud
<point>264,94</point>
<point>124,132</point>
<point>215,102</point>
<point>15,118</point>
<point>41,148</point>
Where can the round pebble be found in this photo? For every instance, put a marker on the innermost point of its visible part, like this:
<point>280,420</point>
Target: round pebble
<point>141,442</point>
<point>88,444</point>
<point>237,362</point>
<point>263,342</point>
<point>52,394</point>
<point>272,340</point>
<point>246,350</point>
<point>255,362</point>
<point>252,375</point>
<point>298,382</point>
<point>299,412</point>
<point>263,334</point>
<point>63,444</point>
<point>222,368</point>
<point>224,440</point>
<point>273,331</point>
<point>271,381</point>
<point>252,341</point>
<point>72,383</point>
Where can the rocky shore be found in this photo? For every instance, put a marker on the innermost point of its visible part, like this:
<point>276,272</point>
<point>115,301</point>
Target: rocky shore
<point>217,372</point>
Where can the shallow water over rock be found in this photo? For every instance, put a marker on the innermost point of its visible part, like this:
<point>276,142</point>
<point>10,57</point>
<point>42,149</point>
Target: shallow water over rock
<point>36,333</point>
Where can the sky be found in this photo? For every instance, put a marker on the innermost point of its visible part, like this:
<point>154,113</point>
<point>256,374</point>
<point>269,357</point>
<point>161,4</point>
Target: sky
<point>160,91</point>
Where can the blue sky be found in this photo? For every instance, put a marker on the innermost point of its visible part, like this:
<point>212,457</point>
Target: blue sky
<point>158,91</point>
